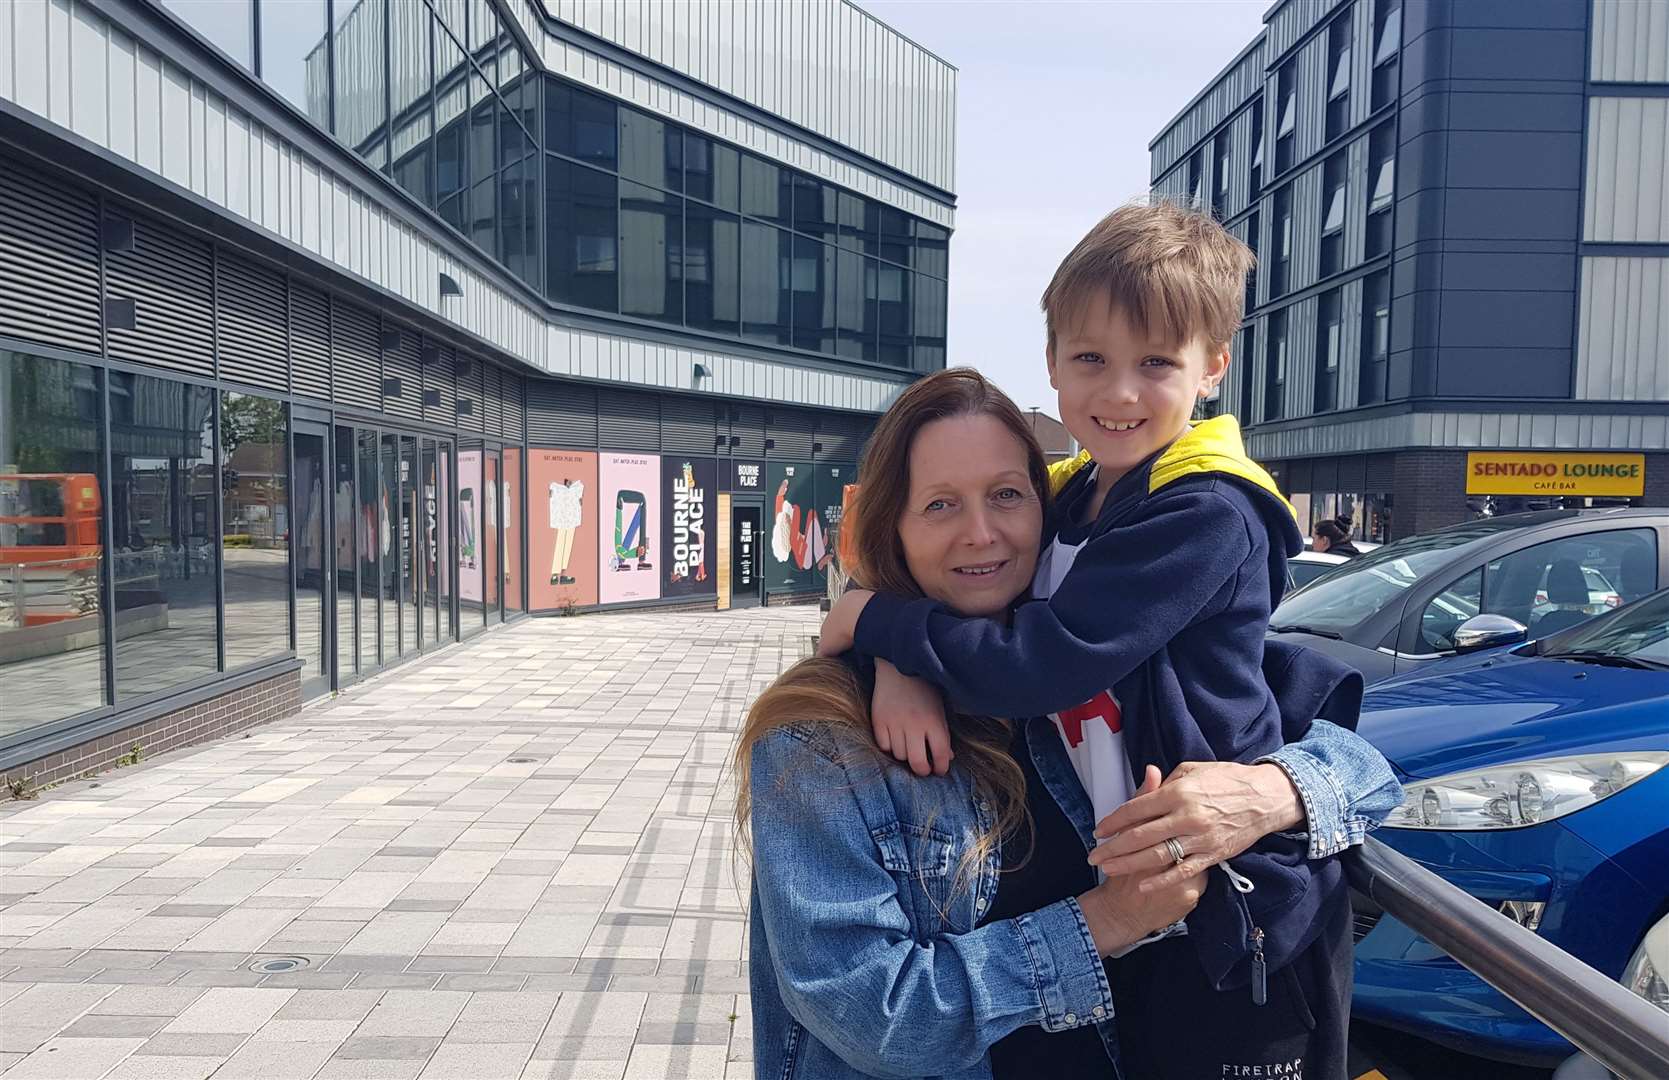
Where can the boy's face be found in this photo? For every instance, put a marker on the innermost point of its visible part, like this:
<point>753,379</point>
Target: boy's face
<point>1124,395</point>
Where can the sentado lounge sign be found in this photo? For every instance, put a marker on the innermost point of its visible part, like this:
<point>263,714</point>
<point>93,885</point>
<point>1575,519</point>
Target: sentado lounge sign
<point>1505,473</point>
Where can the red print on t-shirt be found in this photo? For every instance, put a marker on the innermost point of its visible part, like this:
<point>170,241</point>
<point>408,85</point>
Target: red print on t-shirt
<point>1101,705</point>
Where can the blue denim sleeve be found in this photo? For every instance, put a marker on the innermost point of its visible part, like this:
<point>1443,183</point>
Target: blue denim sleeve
<point>887,999</point>
<point>1347,787</point>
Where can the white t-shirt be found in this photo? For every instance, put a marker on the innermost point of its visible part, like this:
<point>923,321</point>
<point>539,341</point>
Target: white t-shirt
<point>566,504</point>
<point>1094,731</point>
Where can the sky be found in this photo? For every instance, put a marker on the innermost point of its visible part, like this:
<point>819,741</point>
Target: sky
<point>1056,104</point>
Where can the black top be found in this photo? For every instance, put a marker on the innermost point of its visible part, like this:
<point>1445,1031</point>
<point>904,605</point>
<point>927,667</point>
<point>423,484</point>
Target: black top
<point>1056,870</point>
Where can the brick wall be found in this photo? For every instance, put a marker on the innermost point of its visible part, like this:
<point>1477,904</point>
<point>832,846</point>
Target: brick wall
<point>1430,491</point>
<point>257,703</point>
<point>1657,480</point>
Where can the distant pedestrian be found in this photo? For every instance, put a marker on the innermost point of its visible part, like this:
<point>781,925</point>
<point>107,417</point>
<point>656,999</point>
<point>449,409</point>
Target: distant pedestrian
<point>1333,537</point>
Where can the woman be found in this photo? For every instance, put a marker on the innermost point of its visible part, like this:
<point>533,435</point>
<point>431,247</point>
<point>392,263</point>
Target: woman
<point>883,940</point>
<point>1333,535</point>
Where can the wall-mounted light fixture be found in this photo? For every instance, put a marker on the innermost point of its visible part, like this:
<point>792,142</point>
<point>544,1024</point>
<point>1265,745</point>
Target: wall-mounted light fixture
<point>720,442</point>
<point>462,368</point>
<point>735,440</point>
<point>700,371</point>
<point>120,314</point>
<point>817,448</point>
<point>390,339</point>
<point>431,355</point>
<point>392,388</point>
<point>116,234</point>
<point>465,407</point>
<point>770,444</point>
<point>431,397</point>
<point>449,287</point>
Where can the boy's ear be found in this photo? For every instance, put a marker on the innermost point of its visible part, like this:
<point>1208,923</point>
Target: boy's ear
<point>1216,367</point>
<point>1049,359</point>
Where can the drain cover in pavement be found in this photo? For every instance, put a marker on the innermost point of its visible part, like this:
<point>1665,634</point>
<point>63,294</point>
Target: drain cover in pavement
<point>272,965</point>
<point>523,760</point>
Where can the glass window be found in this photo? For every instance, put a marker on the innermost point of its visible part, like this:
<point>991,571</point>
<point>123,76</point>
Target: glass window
<point>1558,584</point>
<point>512,503</point>
<point>1256,169</point>
<point>1243,353</point>
<point>1329,344</point>
<point>1338,84</point>
<point>472,538</point>
<point>651,253</point>
<point>1282,239</point>
<point>255,526</point>
<point>1196,179</point>
<point>1252,241</point>
<point>389,543</point>
<point>896,238</point>
<point>360,42</point>
<point>1448,609</point>
<point>711,171</point>
<point>228,25</point>
<point>855,226</point>
<point>892,289</point>
<point>766,190</point>
<point>932,249</point>
<point>490,539</point>
<point>930,323</point>
<point>581,242</point>
<point>162,508</point>
<point>368,537</point>
<point>1332,220</point>
<point>518,199</point>
<point>580,124</point>
<point>712,268</point>
<point>1382,169</point>
<point>346,537</point>
<point>1376,337</point>
<point>1387,40</point>
<point>483,164</point>
<point>413,548</point>
<point>437,567</point>
<point>309,491</point>
<point>51,541</point>
<point>1275,366</point>
<point>855,306</point>
<point>766,297</point>
<point>815,207</point>
<point>812,278</point>
<point>295,56</point>
<point>484,31</point>
<point>1220,178</point>
<point>1286,137</point>
<point>651,150</point>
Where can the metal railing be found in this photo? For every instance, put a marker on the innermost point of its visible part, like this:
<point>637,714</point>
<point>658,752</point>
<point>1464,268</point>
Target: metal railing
<point>1623,1032</point>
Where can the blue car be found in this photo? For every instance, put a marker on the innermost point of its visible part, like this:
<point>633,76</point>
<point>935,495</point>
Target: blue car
<point>1535,780</point>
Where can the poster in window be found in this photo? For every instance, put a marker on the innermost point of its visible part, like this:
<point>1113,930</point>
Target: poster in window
<point>688,486</point>
<point>628,527</point>
<point>470,499</point>
<point>561,529</point>
<point>831,488</point>
<point>795,538</point>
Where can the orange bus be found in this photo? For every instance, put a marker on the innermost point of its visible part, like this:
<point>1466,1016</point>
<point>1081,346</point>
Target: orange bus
<point>50,545</point>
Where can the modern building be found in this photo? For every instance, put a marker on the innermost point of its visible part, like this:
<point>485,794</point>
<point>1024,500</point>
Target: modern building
<point>1058,443</point>
<point>1461,217</point>
<point>335,331</point>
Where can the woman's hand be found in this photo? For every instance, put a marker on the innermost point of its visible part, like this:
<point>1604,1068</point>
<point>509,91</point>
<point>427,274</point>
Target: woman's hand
<point>1214,809</point>
<point>1121,911</point>
<point>840,625</point>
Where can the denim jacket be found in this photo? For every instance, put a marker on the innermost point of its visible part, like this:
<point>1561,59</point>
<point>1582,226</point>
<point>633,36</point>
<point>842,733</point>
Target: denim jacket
<point>866,957</point>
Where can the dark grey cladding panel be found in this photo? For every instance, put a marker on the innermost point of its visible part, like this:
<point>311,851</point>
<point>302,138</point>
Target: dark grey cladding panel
<point>492,401</point>
<point>1514,159</point>
<point>254,336</point>
<point>842,437</point>
<point>792,430</point>
<point>356,356</point>
<point>471,388</point>
<point>49,262</point>
<point>309,340</point>
<point>561,414</point>
<point>514,389</point>
<point>689,424</point>
<point>439,376</point>
<point>747,430</point>
<point>170,279</point>
<point>628,420</point>
<point>1513,372</point>
<point>406,364</point>
<point>1527,214</point>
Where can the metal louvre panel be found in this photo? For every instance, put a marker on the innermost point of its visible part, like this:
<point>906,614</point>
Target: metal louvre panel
<point>309,341</point>
<point>1381,472</point>
<point>688,424</point>
<point>406,364</point>
<point>170,279</point>
<point>561,414</point>
<point>628,420</point>
<point>49,262</point>
<point>841,437</point>
<point>793,432</point>
<point>492,399</point>
<point>254,333</point>
<point>747,428</point>
<point>439,376</point>
<point>356,356</point>
<point>472,388</point>
<point>511,387</point>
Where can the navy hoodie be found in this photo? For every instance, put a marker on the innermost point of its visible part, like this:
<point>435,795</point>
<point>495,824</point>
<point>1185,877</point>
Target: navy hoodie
<point>1167,603</point>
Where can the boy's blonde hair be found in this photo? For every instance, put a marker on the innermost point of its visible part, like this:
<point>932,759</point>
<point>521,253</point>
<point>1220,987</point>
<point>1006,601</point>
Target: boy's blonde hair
<point>1175,272</point>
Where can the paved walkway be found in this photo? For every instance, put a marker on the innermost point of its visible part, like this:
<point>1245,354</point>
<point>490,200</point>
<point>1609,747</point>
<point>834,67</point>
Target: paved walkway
<point>514,860</point>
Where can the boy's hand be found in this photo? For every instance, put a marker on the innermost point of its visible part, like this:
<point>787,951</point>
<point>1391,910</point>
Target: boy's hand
<point>1214,809</point>
<point>909,719</point>
<point>840,625</point>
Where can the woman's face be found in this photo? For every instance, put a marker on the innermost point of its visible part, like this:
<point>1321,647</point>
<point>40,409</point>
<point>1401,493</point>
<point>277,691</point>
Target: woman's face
<point>972,522</point>
<point>1319,542</point>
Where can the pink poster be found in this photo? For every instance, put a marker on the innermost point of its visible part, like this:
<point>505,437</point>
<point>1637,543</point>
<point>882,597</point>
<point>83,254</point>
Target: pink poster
<point>628,527</point>
<point>470,498</point>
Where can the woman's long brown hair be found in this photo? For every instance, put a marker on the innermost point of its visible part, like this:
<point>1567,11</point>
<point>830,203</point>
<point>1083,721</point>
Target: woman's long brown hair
<point>828,691</point>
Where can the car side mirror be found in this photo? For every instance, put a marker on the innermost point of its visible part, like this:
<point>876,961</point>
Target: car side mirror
<point>1488,632</point>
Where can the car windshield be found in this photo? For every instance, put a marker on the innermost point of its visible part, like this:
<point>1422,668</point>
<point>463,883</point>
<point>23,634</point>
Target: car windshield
<point>1639,631</point>
<point>1350,595</point>
<point>1303,571</point>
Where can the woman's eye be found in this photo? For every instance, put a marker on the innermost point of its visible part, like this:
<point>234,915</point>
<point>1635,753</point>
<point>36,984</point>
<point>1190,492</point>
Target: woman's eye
<point>935,506</point>
<point>1009,495</point>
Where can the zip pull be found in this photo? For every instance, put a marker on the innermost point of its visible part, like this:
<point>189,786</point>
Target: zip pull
<point>1260,983</point>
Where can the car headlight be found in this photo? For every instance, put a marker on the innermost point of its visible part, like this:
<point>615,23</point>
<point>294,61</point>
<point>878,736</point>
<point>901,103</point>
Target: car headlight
<point>1523,793</point>
<point>1647,973</point>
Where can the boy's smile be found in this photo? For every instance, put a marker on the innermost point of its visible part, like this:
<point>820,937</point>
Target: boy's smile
<point>1125,395</point>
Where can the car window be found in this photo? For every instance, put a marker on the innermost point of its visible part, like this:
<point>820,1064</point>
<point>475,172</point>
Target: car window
<point>1302,571</point>
<point>1448,609</point>
<point>1551,586</point>
<point>1341,601</point>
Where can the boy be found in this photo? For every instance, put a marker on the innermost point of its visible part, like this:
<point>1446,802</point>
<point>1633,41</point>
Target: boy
<point>1144,642</point>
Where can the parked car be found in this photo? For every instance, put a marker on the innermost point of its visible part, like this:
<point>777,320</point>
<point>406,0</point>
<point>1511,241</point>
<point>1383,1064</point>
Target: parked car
<point>1308,565</point>
<point>1420,599</point>
<point>1535,780</point>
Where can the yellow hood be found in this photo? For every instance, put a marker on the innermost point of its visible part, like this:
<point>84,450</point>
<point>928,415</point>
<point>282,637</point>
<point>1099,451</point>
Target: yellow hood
<point>1210,446</point>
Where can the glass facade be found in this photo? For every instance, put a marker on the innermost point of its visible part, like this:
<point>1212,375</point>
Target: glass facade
<point>255,527</point>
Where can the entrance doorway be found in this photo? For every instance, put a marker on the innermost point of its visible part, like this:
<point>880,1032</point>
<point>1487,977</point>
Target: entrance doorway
<point>746,582</point>
<point>315,605</point>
